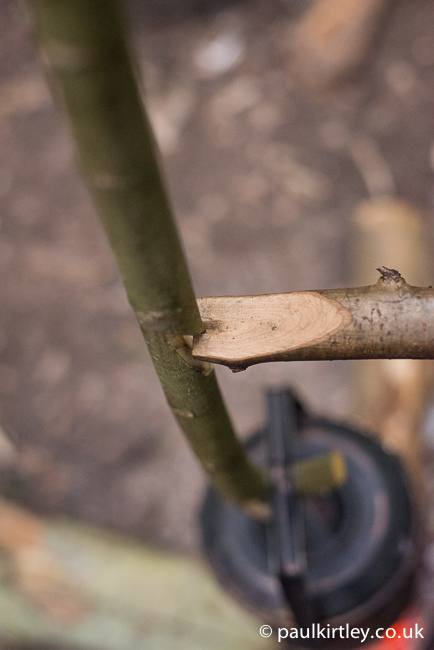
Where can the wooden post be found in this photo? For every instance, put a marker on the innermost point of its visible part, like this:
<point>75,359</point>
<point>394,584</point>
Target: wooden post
<point>391,395</point>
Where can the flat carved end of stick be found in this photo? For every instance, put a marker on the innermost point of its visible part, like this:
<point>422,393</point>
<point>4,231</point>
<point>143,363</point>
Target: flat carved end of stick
<point>244,330</point>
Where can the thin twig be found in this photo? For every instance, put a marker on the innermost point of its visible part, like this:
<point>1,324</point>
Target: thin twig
<point>84,44</point>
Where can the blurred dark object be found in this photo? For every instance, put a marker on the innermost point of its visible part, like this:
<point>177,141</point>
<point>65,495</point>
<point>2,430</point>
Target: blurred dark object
<point>358,564</point>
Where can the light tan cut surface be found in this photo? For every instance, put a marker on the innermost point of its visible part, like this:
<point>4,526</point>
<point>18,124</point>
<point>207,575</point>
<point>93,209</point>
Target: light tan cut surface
<point>248,327</point>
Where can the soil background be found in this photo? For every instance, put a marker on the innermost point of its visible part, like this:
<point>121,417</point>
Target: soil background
<point>263,186</point>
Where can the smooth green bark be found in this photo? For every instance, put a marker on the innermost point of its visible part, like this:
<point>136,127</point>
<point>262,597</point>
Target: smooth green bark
<point>84,44</point>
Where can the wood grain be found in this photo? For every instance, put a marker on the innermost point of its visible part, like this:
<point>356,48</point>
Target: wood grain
<point>243,328</point>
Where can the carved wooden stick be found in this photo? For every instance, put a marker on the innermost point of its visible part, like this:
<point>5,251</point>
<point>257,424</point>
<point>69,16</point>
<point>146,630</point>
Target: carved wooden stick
<point>390,319</point>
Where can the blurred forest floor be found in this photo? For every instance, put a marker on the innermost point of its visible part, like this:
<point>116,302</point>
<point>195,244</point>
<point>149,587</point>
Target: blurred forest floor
<point>264,187</point>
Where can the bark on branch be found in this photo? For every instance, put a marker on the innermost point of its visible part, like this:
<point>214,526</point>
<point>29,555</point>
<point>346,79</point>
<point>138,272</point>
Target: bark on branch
<point>85,47</point>
<point>390,319</point>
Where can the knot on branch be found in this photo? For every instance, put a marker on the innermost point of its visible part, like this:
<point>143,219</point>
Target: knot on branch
<point>390,276</point>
